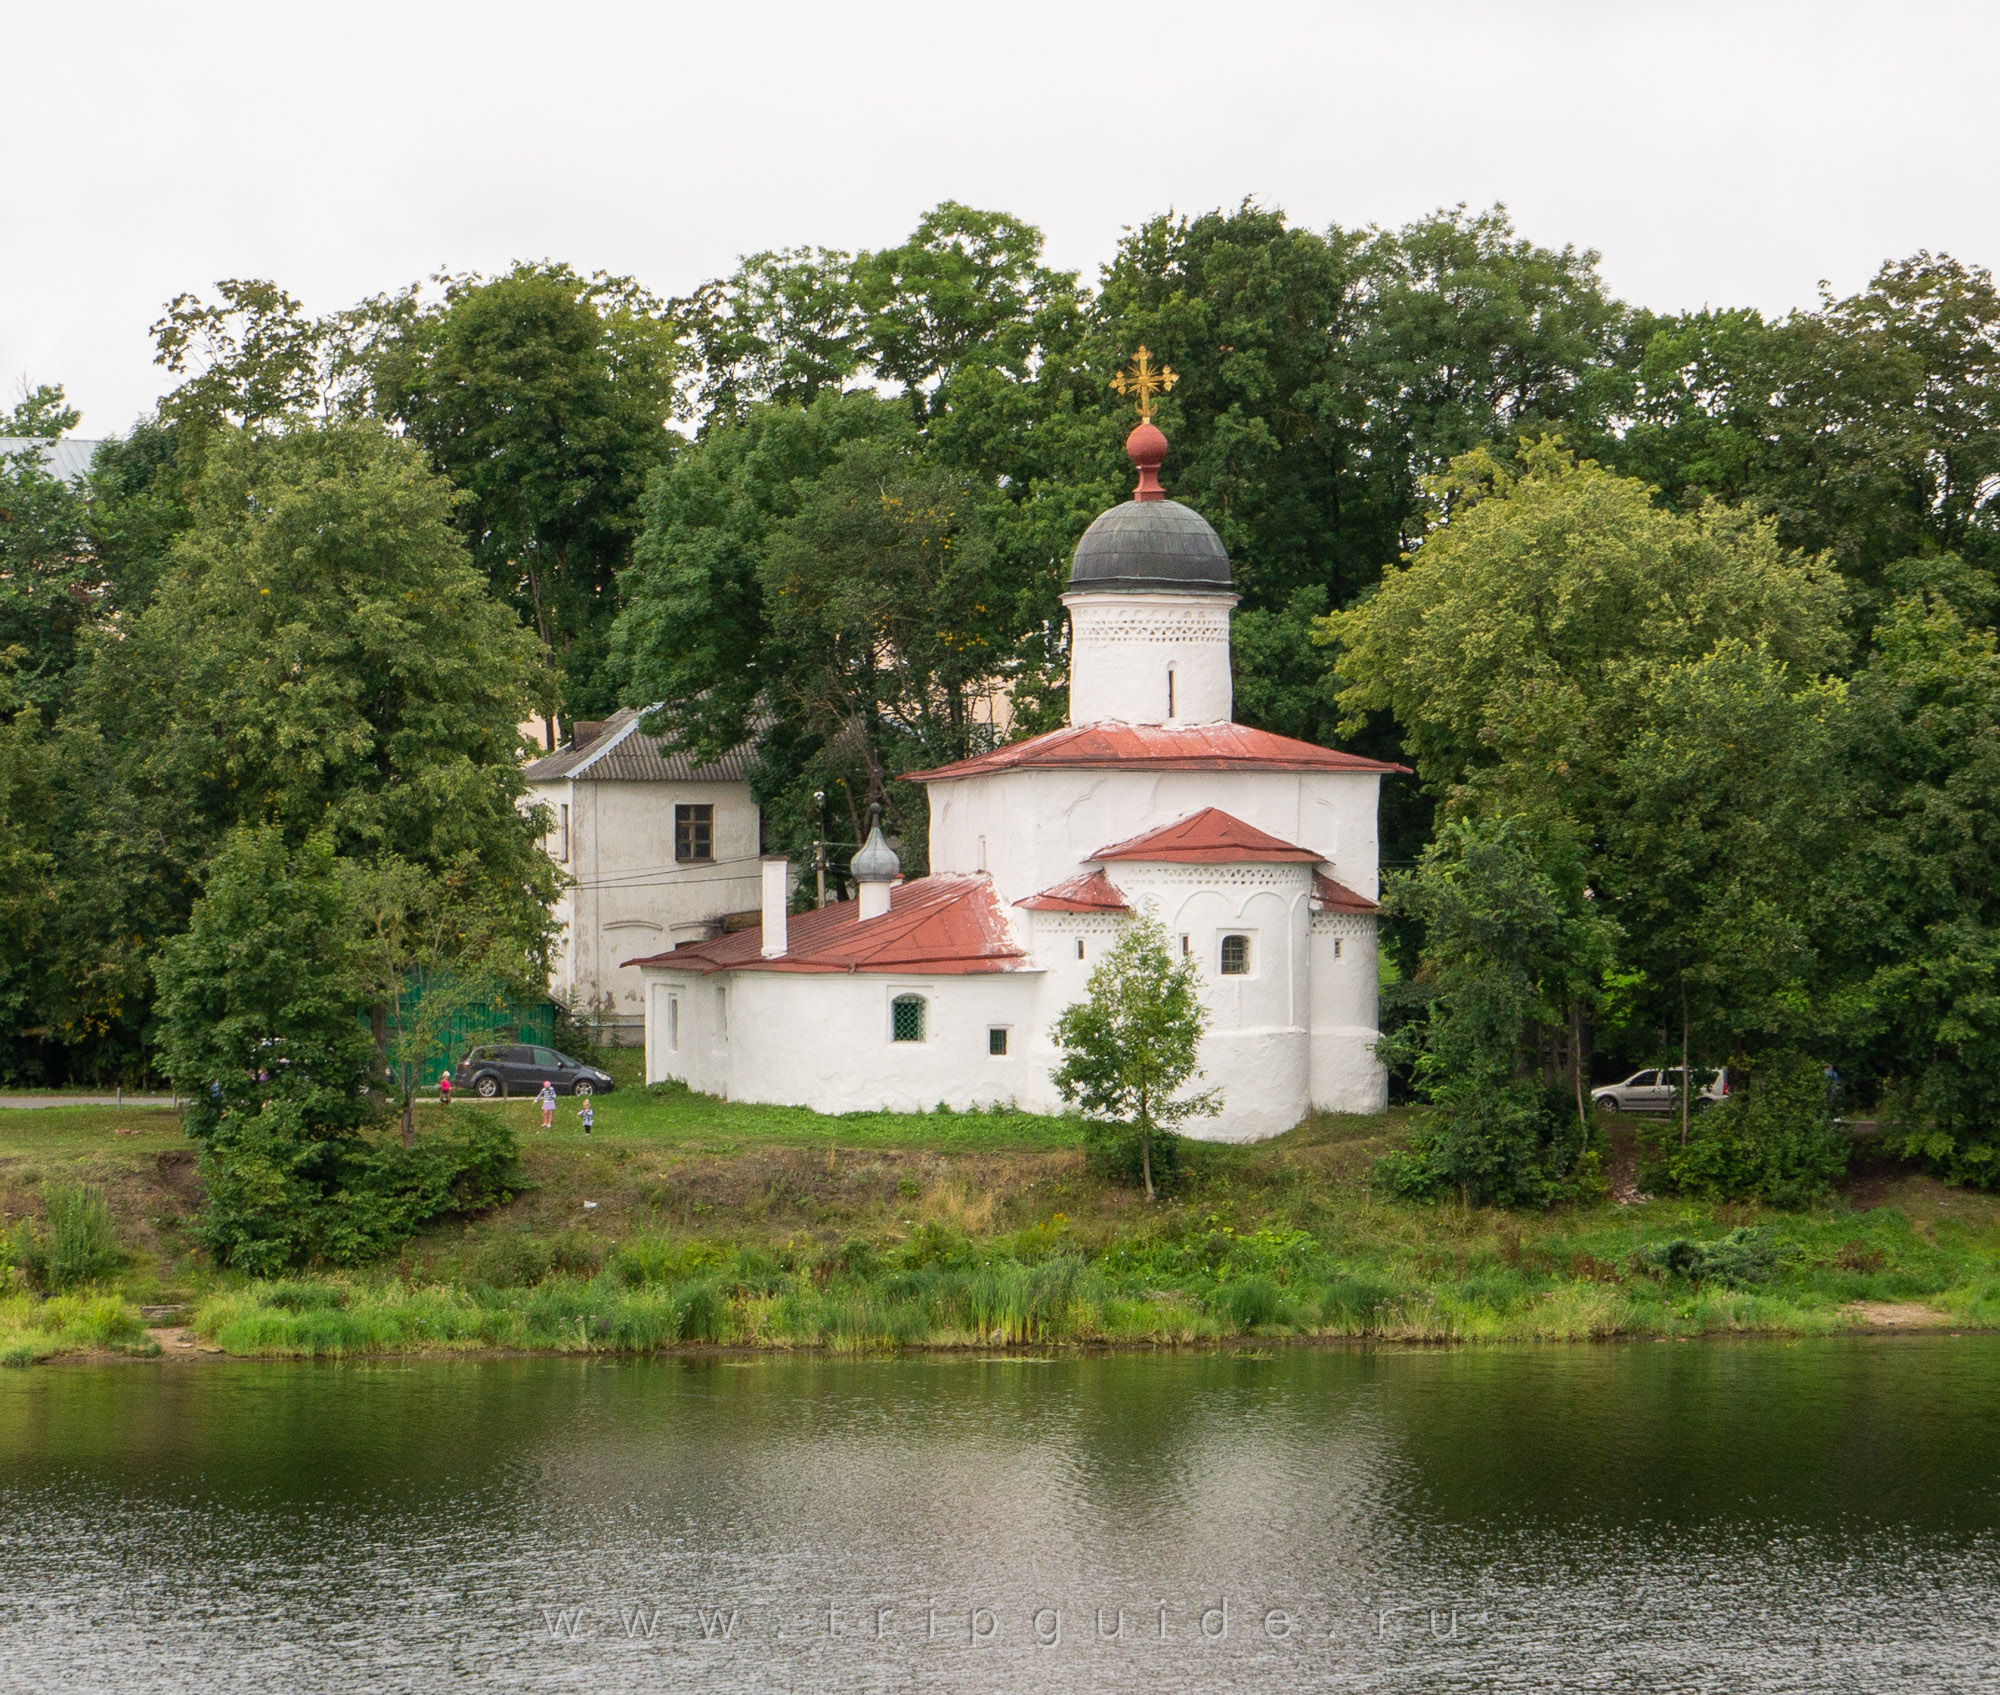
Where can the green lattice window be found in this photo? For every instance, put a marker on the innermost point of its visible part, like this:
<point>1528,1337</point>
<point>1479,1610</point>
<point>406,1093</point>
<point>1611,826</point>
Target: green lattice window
<point>906,1018</point>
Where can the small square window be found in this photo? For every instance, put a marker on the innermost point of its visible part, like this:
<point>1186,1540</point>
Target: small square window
<point>694,833</point>
<point>996,1041</point>
<point>906,1018</point>
<point>1236,956</point>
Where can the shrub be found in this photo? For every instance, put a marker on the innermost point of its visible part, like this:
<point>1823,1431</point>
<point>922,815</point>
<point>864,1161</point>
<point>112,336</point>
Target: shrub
<point>79,1246</point>
<point>1512,1144</point>
<point>1117,1153</point>
<point>1774,1141</point>
<point>1249,1302</point>
<point>1353,1303</point>
<point>699,1312</point>
<point>1748,1255</point>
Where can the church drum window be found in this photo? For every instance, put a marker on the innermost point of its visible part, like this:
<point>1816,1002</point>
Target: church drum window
<point>1235,956</point>
<point>906,1018</point>
<point>694,833</point>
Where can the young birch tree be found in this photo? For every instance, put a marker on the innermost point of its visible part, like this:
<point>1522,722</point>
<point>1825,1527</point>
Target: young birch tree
<point>1132,1044</point>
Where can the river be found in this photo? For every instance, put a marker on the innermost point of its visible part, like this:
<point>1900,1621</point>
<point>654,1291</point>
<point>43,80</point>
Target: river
<point>1729,1516</point>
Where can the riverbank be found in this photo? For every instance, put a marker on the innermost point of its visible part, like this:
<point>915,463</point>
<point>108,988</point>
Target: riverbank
<point>684,1222</point>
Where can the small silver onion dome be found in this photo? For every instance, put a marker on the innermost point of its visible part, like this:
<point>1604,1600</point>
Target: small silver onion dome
<point>877,861</point>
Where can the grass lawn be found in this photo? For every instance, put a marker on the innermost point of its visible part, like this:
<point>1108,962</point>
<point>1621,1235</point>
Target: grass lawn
<point>688,1220</point>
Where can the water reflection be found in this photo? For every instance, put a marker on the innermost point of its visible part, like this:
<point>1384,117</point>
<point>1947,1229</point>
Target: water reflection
<point>1771,1515</point>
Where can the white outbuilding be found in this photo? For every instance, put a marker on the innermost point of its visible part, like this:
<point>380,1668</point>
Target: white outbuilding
<point>1257,852</point>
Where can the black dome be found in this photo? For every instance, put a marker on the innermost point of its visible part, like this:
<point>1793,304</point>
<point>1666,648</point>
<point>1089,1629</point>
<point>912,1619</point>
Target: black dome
<point>1150,546</point>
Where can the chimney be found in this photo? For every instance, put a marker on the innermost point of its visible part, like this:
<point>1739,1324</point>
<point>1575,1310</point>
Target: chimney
<point>777,893</point>
<point>875,869</point>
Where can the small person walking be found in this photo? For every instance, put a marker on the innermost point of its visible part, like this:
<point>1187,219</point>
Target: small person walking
<point>588,1113</point>
<point>548,1099</point>
<point>444,1086</point>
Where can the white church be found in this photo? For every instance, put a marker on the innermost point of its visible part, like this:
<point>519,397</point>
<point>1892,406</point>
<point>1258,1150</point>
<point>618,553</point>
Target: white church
<point>1257,852</point>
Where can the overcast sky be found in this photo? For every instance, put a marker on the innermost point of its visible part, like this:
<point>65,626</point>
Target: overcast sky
<point>1732,153</point>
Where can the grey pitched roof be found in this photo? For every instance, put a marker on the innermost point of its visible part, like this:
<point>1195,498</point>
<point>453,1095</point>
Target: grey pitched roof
<point>623,753</point>
<point>68,458</point>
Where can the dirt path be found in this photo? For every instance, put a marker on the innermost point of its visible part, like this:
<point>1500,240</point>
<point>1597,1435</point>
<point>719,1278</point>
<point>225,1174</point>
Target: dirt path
<point>1898,1315</point>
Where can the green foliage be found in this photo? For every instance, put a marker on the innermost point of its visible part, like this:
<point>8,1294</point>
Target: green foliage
<point>80,1245</point>
<point>1773,1140</point>
<point>47,579</point>
<point>1133,1043</point>
<point>1514,953</point>
<point>544,396</point>
<point>324,657</point>
<point>258,1029</point>
<point>1747,1256</point>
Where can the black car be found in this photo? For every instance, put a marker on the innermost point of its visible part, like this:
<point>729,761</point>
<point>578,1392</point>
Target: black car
<point>518,1069</point>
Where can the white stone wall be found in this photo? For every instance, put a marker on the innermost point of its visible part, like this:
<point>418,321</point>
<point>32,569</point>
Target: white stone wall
<point>630,895</point>
<point>1032,829</point>
<point>1344,1074</point>
<point>848,1061</point>
<point>1123,647</point>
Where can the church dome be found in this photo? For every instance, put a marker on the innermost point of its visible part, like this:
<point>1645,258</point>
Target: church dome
<point>1150,547</point>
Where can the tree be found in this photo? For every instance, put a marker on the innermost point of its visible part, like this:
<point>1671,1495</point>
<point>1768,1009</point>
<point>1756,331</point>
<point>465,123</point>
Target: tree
<point>1913,899</point>
<point>42,413</point>
<point>544,396</point>
<point>325,658</point>
<point>1514,957</point>
<point>430,955</point>
<point>49,580</point>
<point>785,326</point>
<point>968,288</point>
<point>259,1028</point>
<point>255,358</point>
<point>1869,429</point>
<point>1133,1043</point>
<point>815,578</point>
<point>1512,644</point>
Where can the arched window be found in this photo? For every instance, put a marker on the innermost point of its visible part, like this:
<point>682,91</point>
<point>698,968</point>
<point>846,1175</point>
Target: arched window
<point>1236,956</point>
<point>906,1018</point>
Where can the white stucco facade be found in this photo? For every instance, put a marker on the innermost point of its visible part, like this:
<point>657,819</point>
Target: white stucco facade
<point>1149,658</point>
<point>628,892</point>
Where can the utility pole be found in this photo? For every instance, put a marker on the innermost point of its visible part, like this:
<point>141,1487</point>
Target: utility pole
<point>819,846</point>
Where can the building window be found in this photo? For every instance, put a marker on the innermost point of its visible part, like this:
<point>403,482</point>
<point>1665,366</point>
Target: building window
<point>674,1023</point>
<point>563,843</point>
<point>1187,946</point>
<point>1079,947</point>
<point>1336,947</point>
<point>694,833</point>
<point>906,1018</point>
<point>1236,956</point>
<point>1170,691</point>
<point>996,1041</point>
<point>722,1011</point>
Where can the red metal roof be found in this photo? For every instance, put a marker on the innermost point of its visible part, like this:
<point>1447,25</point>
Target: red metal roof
<point>1089,891</point>
<point>1210,837</point>
<point>1201,747</point>
<point>1330,896</point>
<point>942,926</point>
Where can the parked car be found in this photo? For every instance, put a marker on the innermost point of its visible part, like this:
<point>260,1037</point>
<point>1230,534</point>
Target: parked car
<point>1660,1091</point>
<point>516,1068</point>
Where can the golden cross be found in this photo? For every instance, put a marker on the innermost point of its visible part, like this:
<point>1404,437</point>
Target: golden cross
<point>1144,381</point>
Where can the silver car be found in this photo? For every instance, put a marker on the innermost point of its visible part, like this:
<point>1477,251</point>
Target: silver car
<point>1660,1091</point>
